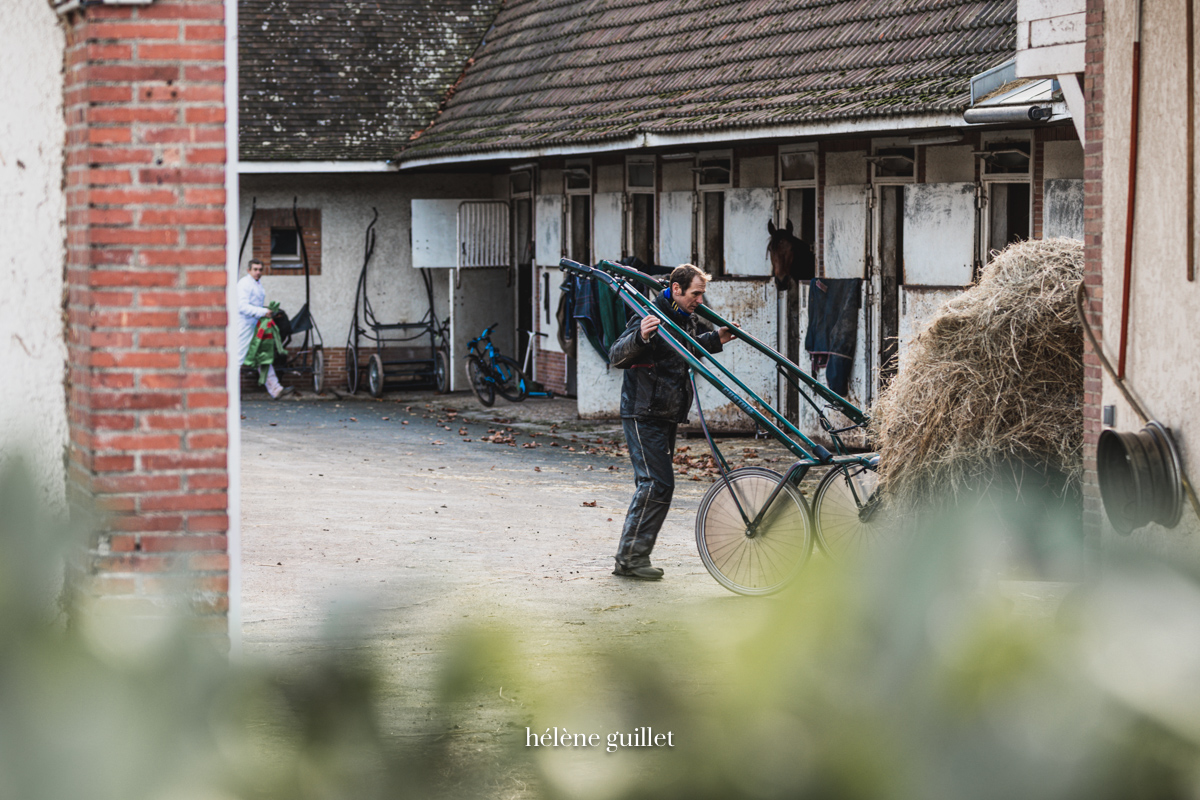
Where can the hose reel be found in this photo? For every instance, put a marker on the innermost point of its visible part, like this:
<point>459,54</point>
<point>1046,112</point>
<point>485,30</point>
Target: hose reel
<point>1140,476</point>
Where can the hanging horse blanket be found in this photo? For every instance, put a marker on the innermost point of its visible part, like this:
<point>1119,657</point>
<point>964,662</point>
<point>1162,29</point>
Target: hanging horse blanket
<point>833,305</point>
<point>599,312</point>
<point>265,346</point>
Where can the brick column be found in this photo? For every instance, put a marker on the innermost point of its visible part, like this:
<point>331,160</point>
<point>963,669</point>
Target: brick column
<point>145,155</point>
<point>1093,227</point>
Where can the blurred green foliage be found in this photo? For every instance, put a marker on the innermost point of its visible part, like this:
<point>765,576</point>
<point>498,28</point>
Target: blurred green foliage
<point>916,673</point>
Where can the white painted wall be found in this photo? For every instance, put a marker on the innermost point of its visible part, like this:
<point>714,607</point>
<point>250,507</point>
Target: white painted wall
<point>1062,209</point>
<point>547,221</point>
<point>675,220</point>
<point>939,234</point>
<point>598,386</point>
<point>33,414</point>
<point>607,226</point>
<point>1164,318</point>
<point>395,288</point>
<point>752,305</point>
<point>846,230</point>
<point>747,212</point>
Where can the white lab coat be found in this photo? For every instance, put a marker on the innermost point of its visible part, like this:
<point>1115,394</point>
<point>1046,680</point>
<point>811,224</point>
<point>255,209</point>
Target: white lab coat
<point>252,305</point>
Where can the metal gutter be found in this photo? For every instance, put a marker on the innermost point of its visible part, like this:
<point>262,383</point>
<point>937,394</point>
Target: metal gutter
<point>292,167</point>
<point>727,136</point>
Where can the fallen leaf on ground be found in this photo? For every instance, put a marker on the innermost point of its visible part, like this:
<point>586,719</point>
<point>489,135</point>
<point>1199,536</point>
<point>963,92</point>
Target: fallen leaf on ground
<point>589,503</point>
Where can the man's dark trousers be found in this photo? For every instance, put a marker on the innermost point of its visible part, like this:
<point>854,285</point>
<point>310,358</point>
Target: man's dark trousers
<point>651,448</point>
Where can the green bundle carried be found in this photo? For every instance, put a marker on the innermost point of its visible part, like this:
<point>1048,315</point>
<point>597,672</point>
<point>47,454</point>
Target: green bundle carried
<point>265,345</point>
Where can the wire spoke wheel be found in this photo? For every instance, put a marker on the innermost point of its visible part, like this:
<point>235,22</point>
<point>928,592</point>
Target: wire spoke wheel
<point>485,390</point>
<point>318,358</point>
<point>510,381</point>
<point>351,368</point>
<point>846,510</point>
<point>441,371</point>
<point>375,376</point>
<point>759,559</point>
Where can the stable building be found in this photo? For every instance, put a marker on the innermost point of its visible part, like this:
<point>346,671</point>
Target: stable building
<point>676,135</point>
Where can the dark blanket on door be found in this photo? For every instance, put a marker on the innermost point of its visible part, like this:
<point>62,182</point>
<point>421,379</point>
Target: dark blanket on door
<point>833,305</point>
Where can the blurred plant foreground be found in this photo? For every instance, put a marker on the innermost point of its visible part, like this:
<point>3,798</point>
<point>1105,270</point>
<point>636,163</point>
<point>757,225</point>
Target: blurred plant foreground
<point>913,674</point>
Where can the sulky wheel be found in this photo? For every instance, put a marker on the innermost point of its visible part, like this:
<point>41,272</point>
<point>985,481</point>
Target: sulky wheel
<point>375,375</point>
<point>441,371</point>
<point>318,365</point>
<point>846,510</point>
<point>510,381</point>
<point>351,368</point>
<point>756,559</point>
<point>484,389</point>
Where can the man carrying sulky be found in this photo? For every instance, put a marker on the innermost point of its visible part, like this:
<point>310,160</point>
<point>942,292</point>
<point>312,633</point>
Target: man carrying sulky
<point>655,397</point>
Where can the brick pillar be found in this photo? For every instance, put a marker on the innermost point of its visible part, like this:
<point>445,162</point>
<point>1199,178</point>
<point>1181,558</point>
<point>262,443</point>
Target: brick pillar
<point>145,156</point>
<point>1093,227</point>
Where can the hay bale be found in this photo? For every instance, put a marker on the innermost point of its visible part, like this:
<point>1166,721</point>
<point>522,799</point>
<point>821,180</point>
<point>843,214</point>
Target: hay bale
<point>993,386</point>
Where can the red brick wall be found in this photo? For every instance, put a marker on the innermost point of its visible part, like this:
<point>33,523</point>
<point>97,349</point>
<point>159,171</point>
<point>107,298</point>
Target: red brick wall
<point>260,238</point>
<point>145,155</point>
<point>552,370</point>
<point>1093,228</point>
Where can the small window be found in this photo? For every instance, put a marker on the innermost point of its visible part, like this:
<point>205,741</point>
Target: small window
<point>285,245</point>
<point>578,176</point>
<point>276,240</point>
<point>1006,158</point>
<point>639,174</point>
<point>894,162</point>
<point>714,171</point>
<point>797,166</point>
<point>520,183</point>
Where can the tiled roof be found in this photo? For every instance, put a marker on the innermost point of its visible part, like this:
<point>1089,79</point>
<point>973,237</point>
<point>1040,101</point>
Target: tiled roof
<point>556,72</point>
<point>348,79</point>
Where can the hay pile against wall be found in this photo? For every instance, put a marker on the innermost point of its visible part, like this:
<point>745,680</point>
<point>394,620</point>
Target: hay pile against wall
<point>993,387</point>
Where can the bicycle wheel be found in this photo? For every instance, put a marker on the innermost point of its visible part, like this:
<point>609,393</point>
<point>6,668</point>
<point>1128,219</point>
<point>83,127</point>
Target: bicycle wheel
<point>351,368</point>
<point>753,561</point>
<point>485,390</point>
<point>846,510</point>
<point>510,381</point>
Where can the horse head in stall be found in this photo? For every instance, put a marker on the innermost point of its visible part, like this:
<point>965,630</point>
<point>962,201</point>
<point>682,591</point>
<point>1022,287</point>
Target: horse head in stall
<point>791,256</point>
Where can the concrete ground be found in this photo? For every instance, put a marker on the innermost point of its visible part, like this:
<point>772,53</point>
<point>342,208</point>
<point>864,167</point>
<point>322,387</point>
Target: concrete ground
<point>423,513</point>
<point>405,520</point>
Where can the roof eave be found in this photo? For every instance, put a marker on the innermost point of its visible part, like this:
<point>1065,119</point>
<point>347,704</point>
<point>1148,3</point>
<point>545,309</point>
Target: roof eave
<point>867,126</point>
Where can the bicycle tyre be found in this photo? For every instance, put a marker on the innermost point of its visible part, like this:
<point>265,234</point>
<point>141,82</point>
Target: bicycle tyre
<point>842,529</point>
<point>351,369</point>
<point>484,389</point>
<point>510,381</point>
<point>767,562</point>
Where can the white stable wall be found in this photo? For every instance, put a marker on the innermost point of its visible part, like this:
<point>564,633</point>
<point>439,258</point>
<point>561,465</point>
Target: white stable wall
<point>33,413</point>
<point>396,291</point>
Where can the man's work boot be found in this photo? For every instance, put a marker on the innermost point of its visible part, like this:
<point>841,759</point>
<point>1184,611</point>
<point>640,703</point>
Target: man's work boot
<point>644,572</point>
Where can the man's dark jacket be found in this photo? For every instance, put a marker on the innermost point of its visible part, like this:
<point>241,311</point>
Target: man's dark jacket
<point>656,385</point>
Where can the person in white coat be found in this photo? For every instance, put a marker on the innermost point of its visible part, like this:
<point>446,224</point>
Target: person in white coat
<point>252,306</point>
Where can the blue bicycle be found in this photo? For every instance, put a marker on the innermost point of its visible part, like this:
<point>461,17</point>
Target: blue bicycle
<point>492,373</point>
